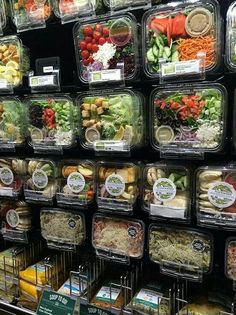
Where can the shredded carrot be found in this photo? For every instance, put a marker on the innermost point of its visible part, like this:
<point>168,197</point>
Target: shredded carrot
<point>190,47</point>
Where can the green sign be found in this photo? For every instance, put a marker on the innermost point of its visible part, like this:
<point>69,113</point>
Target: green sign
<point>52,303</point>
<point>92,310</point>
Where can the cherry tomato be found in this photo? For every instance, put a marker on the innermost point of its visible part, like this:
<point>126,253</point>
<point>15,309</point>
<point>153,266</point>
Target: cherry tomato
<point>90,59</point>
<point>88,39</point>
<point>89,46</point>
<point>106,31</point>
<point>85,54</point>
<point>88,30</point>
<point>108,40</point>
<point>83,45</point>
<point>98,27</point>
<point>94,41</point>
<point>95,47</point>
<point>102,41</point>
<point>96,35</point>
<point>85,62</point>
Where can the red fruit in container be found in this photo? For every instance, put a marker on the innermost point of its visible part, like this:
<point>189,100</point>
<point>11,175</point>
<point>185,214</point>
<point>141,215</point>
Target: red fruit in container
<point>106,31</point>
<point>86,62</point>
<point>88,39</point>
<point>94,41</point>
<point>97,35</point>
<point>88,30</point>
<point>89,46</point>
<point>83,45</point>
<point>102,41</point>
<point>98,27</point>
<point>95,48</point>
<point>108,40</point>
<point>85,54</point>
<point>90,59</point>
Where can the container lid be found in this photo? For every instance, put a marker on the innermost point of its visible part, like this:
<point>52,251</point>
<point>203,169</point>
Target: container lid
<point>3,17</point>
<point>230,258</point>
<point>118,236</point>
<point>230,37</point>
<point>51,121</point>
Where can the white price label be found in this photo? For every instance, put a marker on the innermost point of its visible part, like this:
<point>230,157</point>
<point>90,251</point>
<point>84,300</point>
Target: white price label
<point>41,80</point>
<point>6,191</point>
<point>105,75</point>
<point>167,212</point>
<point>110,146</point>
<point>3,84</point>
<point>181,67</point>
<point>48,69</point>
<point>108,294</point>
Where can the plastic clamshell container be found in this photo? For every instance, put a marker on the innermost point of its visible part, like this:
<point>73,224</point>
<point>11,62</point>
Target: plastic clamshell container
<point>216,196</point>
<point>230,54</point>
<point>118,44</point>
<point>13,124</point>
<point>62,226</point>
<point>72,10</point>
<point>14,60</point>
<point>12,172</point>
<point>30,15</point>
<point>41,181</point>
<point>184,250</point>
<point>16,220</point>
<point>230,258</point>
<point>166,191</point>
<point>192,118</point>
<point>3,16</point>
<point>117,186</point>
<point>126,4</point>
<point>76,183</point>
<point>173,32</point>
<point>118,236</point>
<point>51,121</point>
<point>116,116</point>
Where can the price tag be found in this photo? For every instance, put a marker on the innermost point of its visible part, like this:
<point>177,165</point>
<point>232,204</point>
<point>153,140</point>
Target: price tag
<point>167,212</point>
<point>182,67</point>
<point>6,191</point>
<point>3,84</point>
<point>111,146</point>
<point>56,304</point>
<point>105,75</point>
<point>48,69</point>
<point>92,310</point>
<point>44,80</point>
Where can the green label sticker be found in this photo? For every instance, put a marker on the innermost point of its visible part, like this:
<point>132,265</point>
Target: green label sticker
<point>164,189</point>
<point>76,182</point>
<point>52,303</point>
<point>40,179</point>
<point>6,176</point>
<point>222,195</point>
<point>115,185</point>
<point>108,294</point>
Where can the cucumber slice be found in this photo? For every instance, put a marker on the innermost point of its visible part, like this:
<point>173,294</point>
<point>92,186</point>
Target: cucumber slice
<point>175,56</point>
<point>150,55</point>
<point>167,51</point>
<point>155,51</point>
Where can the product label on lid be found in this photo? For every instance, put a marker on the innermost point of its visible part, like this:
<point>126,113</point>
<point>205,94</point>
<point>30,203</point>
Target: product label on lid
<point>6,176</point>
<point>71,223</point>
<point>111,146</point>
<point>40,179</point>
<point>181,67</point>
<point>105,75</point>
<point>12,218</point>
<point>44,80</point>
<point>148,298</point>
<point>108,294</point>
<point>164,189</point>
<point>115,185</point>
<point>222,195</point>
<point>76,182</point>
<point>48,69</point>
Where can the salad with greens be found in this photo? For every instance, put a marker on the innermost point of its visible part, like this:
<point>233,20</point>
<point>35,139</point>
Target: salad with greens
<point>116,117</point>
<point>190,118</point>
<point>51,120</point>
<point>12,121</point>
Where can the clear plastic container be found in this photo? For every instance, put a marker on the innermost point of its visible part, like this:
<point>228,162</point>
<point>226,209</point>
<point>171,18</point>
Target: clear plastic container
<point>117,236</point>
<point>117,186</point>
<point>16,220</point>
<point>30,14</point>
<point>13,122</point>
<point>166,191</point>
<point>62,226</point>
<point>51,122</point>
<point>179,31</point>
<point>216,196</point>
<point>14,62</point>
<point>12,172</point>
<point>230,258</point>
<point>111,120</point>
<point>180,250</point>
<point>72,10</point>
<point>126,4</point>
<point>191,118</point>
<point>41,182</point>
<point>76,184</point>
<point>106,42</point>
<point>3,16</point>
<point>230,54</point>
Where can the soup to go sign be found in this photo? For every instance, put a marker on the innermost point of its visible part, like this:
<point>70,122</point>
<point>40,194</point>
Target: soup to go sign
<point>52,303</point>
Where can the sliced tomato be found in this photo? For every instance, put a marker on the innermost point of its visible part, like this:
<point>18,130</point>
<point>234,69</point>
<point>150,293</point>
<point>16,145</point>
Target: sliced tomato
<point>178,28</point>
<point>159,25</point>
<point>169,31</point>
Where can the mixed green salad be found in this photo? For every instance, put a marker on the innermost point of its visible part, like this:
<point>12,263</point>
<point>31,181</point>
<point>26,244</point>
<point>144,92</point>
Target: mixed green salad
<point>12,121</point>
<point>51,121</point>
<point>191,118</point>
<point>111,117</point>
